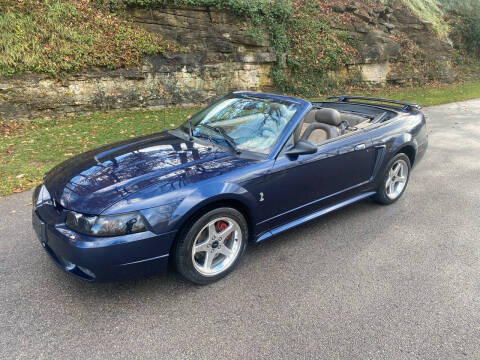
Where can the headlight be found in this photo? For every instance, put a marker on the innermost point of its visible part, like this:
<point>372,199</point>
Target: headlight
<point>109,225</point>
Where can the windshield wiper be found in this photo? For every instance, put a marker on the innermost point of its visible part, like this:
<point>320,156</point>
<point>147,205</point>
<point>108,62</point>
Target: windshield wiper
<point>224,135</point>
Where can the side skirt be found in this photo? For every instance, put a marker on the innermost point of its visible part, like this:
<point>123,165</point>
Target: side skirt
<point>313,216</point>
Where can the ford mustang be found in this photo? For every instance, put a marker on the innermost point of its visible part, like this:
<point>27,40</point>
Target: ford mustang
<point>243,169</point>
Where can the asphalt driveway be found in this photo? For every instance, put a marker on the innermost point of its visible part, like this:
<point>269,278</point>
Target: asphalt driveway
<point>366,282</point>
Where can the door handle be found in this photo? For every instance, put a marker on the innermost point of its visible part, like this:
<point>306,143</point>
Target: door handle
<point>360,147</point>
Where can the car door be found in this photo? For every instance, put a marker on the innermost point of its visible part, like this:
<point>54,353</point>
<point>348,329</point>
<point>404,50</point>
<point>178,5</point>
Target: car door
<point>299,185</point>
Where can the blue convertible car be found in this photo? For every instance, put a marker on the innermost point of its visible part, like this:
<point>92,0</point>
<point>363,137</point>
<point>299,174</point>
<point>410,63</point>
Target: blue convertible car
<point>245,168</point>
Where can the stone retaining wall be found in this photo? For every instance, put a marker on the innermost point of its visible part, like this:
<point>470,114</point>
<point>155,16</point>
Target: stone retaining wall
<point>221,57</point>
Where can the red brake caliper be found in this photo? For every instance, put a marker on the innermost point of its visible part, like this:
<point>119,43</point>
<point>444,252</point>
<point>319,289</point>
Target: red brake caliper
<point>221,225</point>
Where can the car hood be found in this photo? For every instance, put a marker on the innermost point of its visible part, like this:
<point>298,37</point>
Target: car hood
<point>95,180</point>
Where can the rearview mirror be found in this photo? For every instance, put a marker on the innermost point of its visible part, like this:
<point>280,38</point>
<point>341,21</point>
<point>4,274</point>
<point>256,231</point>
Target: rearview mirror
<point>302,147</point>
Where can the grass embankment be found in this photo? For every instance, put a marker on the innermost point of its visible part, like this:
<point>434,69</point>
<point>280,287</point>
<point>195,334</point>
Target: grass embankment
<point>59,36</point>
<point>27,151</point>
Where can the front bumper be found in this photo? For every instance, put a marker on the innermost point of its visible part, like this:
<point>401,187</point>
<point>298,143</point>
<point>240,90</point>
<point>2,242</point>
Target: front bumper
<point>100,259</point>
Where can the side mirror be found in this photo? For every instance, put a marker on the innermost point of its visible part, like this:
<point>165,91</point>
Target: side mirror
<point>302,147</point>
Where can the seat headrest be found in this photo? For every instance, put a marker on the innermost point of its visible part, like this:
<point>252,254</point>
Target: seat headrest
<point>328,116</point>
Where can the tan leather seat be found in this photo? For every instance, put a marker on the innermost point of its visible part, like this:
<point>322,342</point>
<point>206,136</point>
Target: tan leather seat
<point>317,136</point>
<point>326,125</point>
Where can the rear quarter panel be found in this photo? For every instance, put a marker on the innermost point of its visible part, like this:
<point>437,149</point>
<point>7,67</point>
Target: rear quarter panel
<point>404,131</point>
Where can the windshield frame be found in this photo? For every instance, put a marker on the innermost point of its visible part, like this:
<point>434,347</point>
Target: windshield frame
<point>303,108</point>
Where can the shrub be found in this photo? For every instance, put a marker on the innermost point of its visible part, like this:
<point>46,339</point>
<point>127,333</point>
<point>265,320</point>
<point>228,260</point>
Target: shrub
<point>470,31</point>
<point>469,26</point>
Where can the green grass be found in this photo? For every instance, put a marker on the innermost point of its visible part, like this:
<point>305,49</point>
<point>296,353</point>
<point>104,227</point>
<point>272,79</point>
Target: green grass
<point>29,150</point>
<point>428,95</point>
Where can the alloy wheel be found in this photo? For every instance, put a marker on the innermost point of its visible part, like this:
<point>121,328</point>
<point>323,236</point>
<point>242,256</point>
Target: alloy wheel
<point>216,246</point>
<point>396,179</point>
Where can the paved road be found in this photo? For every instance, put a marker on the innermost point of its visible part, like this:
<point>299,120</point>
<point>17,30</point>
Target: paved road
<point>366,282</point>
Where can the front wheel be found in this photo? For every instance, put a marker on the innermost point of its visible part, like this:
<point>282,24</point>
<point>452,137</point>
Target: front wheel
<point>395,180</point>
<point>210,247</point>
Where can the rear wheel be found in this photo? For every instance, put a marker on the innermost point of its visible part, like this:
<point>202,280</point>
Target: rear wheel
<point>210,247</point>
<point>395,180</point>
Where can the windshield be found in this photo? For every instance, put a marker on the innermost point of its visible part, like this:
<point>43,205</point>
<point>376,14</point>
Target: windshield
<point>247,123</point>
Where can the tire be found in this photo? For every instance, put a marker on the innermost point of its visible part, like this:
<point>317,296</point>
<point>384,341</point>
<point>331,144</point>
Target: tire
<point>387,192</point>
<point>220,237</point>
